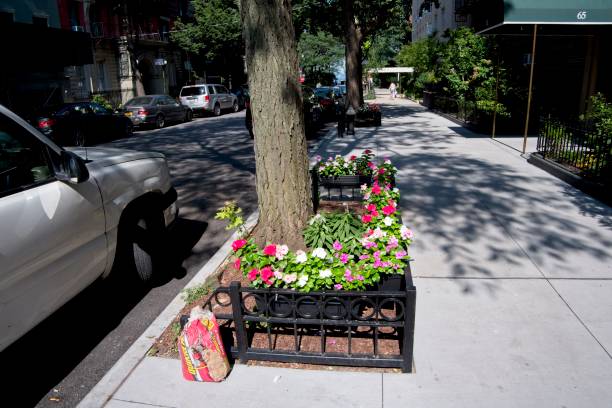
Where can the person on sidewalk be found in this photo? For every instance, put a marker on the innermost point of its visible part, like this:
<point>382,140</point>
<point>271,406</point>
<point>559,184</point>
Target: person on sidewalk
<point>392,90</point>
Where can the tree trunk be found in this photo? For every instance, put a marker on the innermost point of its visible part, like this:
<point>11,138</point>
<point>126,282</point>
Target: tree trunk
<point>281,159</point>
<point>353,62</point>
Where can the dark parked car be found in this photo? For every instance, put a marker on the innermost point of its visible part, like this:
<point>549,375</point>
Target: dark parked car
<point>312,112</point>
<point>76,124</point>
<point>156,110</point>
<point>242,95</point>
<point>325,95</point>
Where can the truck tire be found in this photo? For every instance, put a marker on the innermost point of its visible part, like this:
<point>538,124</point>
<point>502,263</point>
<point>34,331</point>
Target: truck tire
<point>140,243</point>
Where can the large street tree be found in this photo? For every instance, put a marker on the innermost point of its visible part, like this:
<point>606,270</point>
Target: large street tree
<point>283,187</point>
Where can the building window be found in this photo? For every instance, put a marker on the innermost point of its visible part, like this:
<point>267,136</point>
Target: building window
<point>40,21</point>
<point>101,77</point>
<point>7,17</point>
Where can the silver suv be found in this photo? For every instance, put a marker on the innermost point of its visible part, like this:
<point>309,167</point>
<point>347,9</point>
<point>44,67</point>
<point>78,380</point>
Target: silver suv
<point>66,216</point>
<point>209,98</point>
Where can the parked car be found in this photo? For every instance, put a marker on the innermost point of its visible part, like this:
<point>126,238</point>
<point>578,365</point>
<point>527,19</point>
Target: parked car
<point>325,95</point>
<point>212,98</point>
<point>242,94</point>
<point>156,110</point>
<point>78,124</point>
<point>68,215</point>
<point>312,113</point>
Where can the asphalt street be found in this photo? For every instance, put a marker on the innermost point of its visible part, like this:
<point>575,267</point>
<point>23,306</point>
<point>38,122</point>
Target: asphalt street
<point>211,160</point>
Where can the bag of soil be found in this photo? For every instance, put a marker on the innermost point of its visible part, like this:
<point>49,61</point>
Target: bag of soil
<point>201,349</point>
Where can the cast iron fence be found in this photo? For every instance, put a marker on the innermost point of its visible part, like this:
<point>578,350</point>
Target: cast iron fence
<point>368,318</point>
<point>465,111</point>
<point>578,147</point>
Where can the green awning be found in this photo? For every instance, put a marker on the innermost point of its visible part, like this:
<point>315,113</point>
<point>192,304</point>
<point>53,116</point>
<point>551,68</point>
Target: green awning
<point>558,12</point>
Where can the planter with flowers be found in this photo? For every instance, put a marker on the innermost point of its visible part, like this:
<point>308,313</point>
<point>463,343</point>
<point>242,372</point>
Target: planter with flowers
<point>343,178</point>
<point>342,285</point>
<point>368,114</point>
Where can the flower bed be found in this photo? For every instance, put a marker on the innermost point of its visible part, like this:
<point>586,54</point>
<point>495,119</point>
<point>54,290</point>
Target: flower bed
<point>368,114</point>
<point>339,288</point>
<point>339,178</point>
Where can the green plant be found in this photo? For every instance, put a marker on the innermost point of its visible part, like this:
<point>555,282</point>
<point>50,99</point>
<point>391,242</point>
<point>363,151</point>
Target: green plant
<point>327,228</point>
<point>101,100</point>
<point>194,293</point>
<point>231,212</point>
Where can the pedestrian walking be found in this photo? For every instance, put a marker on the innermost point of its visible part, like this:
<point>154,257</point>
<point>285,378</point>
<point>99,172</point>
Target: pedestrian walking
<point>392,90</point>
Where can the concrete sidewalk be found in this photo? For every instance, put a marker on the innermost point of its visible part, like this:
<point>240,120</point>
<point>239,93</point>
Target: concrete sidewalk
<point>513,270</point>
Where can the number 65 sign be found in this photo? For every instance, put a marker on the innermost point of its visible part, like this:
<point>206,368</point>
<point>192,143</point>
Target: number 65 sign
<point>582,15</point>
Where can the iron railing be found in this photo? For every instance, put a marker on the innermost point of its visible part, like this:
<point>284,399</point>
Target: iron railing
<point>465,111</point>
<point>580,148</point>
<point>257,319</point>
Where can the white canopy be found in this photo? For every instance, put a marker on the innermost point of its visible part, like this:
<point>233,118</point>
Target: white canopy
<point>391,70</point>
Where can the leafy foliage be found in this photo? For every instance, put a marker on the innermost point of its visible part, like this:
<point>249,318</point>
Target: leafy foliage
<point>231,212</point>
<point>215,31</point>
<point>320,52</point>
<point>101,100</point>
<point>325,229</point>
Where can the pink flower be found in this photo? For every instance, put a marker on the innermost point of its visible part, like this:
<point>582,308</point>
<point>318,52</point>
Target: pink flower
<point>370,164</point>
<point>344,258</point>
<point>392,243</point>
<point>281,251</point>
<point>366,218</point>
<point>365,256</point>
<point>270,250</point>
<point>400,254</point>
<point>369,244</point>
<point>337,246</point>
<point>374,213</point>
<point>360,277</point>
<point>337,286</point>
<point>378,263</point>
<point>266,273</point>
<point>381,171</point>
<point>388,210</point>
<point>237,264</point>
<point>376,189</point>
<point>371,207</point>
<point>348,275</point>
<point>377,255</point>
<point>253,274</point>
<point>237,244</point>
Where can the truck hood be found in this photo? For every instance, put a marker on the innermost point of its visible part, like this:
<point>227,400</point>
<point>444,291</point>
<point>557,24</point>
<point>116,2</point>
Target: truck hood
<point>108,156</point>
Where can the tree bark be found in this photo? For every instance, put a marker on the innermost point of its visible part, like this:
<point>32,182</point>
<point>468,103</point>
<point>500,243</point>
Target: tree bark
<point>281,159</point>
<point>353,57</point>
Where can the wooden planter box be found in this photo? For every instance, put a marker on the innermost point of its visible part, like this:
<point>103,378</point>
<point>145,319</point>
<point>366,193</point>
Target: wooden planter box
<point>387,314</point>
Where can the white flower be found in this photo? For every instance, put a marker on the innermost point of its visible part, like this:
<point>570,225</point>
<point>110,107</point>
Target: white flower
<point>314,219</point>
<point>290,277</point>
<point>388,221</point>
<point>278,274</point>
<point>406,233</point>
<point>396,190</point>
<point>319,253</point>
<point>281,251</point>
<point>346,165</point>
<point>325,273</point>
<point>302,281</point>
<point>387,161</point>
<point>364,187</point>
<point>300,256</point>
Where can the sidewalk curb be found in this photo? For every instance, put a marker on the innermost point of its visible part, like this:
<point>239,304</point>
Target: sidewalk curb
<point>102,392</point>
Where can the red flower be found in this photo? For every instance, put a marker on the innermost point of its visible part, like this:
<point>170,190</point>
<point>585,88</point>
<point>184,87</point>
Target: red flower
<point>237,264</point>
<point>366,218</point>
<point>381,171</point>
<point>270,250</point>
<point>253,274</point>
<point>266,274</point>
<point>388,210</point>
<point>370,164</point>
<point>374,213</point>
<point>375,189</point>
<point>371,207</point>
<point>367,151</point>
<point>237,244</point>
<point>353,157</point>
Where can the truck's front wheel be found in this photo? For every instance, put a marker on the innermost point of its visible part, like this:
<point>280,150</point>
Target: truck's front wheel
<point>141,244</point>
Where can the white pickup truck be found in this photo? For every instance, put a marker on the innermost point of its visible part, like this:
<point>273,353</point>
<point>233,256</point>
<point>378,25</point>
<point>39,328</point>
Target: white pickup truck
<point>68,216</point>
